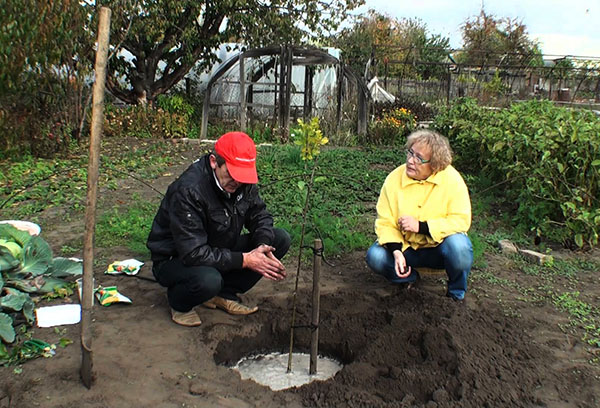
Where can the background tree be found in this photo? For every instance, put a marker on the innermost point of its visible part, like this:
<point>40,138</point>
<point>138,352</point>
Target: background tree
<point>43,49</point>
<point>162,40</point>
<point>492,41</point>
<point>359,42</point>
<point>404,42</point>
<point>423,51</point>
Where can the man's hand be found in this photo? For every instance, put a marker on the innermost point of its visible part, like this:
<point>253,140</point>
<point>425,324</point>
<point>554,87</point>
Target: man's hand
<point>400,264</point>
<point>262,260</point>
<point>408,223</point>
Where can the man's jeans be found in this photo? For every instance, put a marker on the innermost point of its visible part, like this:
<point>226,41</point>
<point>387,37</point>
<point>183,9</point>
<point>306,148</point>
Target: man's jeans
<point>189,286</point>
<point>454,254</point>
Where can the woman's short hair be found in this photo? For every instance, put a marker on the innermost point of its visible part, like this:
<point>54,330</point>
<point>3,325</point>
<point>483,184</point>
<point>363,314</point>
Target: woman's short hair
<point>441,153</point>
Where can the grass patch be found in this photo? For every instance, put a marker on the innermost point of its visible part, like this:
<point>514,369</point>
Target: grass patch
<point>126,227</point>
<point>582,315</point>
<point>30,185</point>
<point>341,210</point>
<point>569,302</point>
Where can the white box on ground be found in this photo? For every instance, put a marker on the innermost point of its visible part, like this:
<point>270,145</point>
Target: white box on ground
<point>50,316</point>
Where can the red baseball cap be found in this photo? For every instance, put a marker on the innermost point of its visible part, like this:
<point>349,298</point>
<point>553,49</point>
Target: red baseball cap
<point>239,152</point>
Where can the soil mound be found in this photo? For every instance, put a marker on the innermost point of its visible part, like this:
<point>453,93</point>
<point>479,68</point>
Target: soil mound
<point>405,348</point>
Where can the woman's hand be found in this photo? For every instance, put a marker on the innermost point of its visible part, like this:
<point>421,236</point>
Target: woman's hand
<point>408,223</point>
<point>400,264</point>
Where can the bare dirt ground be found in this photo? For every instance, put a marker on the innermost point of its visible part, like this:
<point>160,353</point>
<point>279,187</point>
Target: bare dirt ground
<point>399,347</point>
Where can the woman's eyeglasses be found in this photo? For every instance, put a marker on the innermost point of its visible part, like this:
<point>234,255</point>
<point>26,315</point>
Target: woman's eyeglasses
<point>420,160</point>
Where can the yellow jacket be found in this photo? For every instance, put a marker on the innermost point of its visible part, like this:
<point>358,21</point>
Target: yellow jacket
<point>442,200</point>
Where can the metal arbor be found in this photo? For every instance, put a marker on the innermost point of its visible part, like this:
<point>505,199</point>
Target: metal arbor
<point>281,60</point>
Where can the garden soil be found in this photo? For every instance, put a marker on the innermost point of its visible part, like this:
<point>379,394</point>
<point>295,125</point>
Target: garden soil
<point>399,347</point>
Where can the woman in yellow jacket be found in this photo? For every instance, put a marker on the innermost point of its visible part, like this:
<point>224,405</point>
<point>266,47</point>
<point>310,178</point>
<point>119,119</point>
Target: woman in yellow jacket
<point>423,215</point>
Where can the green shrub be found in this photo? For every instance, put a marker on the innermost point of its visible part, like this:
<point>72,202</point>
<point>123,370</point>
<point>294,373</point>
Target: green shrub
<point>146,122</point>
<point>261,133</point>
<point>44,124</point>
<point>545,158</point>
<point>495,87</point>
<point>175,104</point>
<point>392,127</point>
<point>420,109</point>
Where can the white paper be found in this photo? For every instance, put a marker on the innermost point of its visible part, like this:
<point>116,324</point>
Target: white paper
<point>58,315</point>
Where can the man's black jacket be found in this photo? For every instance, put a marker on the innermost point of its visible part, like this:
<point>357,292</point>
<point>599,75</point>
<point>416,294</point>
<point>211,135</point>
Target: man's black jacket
<point>199,224</point>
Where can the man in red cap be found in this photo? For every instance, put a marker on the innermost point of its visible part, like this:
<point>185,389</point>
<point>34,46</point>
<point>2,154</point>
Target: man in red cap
<point>198,250</point>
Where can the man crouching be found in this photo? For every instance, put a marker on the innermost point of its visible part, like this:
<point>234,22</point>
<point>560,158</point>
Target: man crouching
<point>197,247</point>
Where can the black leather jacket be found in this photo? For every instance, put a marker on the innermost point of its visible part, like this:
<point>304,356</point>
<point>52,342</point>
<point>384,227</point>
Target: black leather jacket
<point>199,224</point>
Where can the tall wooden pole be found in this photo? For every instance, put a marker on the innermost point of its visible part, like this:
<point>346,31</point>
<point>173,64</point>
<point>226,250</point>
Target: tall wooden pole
<point>92,190</point>
<point>316,304</point>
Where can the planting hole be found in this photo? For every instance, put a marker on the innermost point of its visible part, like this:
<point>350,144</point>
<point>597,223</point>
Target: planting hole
<point>271,369</point>
<point>263,356</point>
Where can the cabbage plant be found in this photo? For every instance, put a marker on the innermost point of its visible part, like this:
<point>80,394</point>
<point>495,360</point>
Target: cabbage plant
<point>27,267</point>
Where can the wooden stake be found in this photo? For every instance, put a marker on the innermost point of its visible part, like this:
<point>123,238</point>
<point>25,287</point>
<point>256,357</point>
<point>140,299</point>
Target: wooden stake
<point>316,302</point>
<point>92,190</point>
<point>295,295</point>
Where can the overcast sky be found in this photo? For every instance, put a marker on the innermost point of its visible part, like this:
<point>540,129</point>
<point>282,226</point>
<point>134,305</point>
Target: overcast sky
<point>562,27</point>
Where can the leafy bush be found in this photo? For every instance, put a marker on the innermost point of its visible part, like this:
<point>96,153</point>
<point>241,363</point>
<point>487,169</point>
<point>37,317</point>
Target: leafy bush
<point>147,122</point>
<point>392,127</point>
<point>546,158</point>
<point>261,133</point>
<point>495,87</point>
<point>41,126</point>
<point>175,104</point>
<point>422,110</point>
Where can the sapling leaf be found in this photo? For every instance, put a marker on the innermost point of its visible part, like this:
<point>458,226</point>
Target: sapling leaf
<point>37,256</point>
<point>7,332</point>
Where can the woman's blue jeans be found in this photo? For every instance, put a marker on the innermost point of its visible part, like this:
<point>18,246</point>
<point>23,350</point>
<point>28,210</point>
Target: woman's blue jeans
<point>454,254</point>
